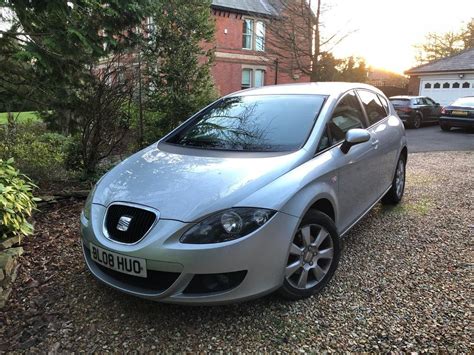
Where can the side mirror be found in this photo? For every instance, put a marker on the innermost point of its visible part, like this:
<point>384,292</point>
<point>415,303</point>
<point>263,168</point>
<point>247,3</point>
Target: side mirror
<point>353,137</point>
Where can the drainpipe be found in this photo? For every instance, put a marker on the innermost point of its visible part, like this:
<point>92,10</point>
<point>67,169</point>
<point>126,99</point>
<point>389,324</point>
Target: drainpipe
<point>277,65</point>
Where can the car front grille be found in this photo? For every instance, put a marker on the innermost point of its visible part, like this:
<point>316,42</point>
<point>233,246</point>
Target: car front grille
<point>126,224</point>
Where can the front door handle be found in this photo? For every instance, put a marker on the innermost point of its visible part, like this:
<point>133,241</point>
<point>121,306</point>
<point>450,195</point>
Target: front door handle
<point>375,143</point>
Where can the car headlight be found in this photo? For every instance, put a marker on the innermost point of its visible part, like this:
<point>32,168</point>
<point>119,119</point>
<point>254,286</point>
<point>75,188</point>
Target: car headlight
<point>88,204</point>
<point>227,225</point>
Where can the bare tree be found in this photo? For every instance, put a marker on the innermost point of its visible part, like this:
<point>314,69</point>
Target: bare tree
<point>295,37</point>
<point>442,45</point>
<point>104,112</point>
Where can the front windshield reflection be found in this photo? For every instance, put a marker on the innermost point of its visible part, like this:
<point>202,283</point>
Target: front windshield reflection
<point>253,123</point>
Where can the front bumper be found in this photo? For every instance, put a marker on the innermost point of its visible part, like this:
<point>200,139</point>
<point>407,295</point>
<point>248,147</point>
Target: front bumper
<point>260,256</point>
<point>457,121</point>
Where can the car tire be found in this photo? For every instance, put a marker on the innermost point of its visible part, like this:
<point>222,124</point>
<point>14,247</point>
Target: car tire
<point>417,120</point>
<point>444,127</point>
<point>314,251</point>
<point>395,194</point>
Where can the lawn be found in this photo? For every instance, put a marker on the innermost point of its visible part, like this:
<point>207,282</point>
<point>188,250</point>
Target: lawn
<point>22,117</point>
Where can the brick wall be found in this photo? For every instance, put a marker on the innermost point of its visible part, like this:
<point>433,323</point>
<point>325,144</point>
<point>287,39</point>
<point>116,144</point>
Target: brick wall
<point>414,85</point>
<point>231,59</point>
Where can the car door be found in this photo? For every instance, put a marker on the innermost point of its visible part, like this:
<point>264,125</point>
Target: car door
<point>435,109</point>
<point>422,106</point>
<point>386,137</point>
<point>355,170</point>
<point>384,159</point>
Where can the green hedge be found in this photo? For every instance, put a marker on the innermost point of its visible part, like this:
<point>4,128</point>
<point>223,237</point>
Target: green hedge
<point>16,201</point>
<point>38,153</point>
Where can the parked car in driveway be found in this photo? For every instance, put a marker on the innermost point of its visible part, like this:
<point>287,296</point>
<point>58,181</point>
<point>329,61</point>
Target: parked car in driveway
<point>459,114</point>
<point>416,110</point>
<point>249,196</point>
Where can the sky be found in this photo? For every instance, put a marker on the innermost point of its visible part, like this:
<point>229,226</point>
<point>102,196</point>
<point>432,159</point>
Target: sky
<point>387,30</point>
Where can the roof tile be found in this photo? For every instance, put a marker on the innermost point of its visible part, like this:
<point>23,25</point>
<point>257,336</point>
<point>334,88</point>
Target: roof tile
<point>459,62</point>
<point>264,7</point>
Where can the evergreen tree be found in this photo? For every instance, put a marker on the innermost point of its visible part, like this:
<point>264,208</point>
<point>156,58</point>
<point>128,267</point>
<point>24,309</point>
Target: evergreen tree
<point>178,55</point>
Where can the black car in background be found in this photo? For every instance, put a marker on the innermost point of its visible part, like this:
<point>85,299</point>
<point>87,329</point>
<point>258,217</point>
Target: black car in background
<point>416,110</point>
<point>459,114</point>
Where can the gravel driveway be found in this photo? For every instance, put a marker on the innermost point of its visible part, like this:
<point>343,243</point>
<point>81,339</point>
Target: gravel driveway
<point>403,284</point>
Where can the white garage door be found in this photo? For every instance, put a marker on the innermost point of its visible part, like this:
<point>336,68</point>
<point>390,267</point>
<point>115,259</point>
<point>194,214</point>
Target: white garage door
<point>445,91</point>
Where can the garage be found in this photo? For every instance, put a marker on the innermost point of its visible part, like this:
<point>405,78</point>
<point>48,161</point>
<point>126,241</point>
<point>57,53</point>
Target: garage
<point>444,80</point>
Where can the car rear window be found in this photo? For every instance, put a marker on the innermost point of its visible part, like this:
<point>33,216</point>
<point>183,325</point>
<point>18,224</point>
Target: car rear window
<point>259,123</point>
<point>400,102</point>
<point>464,101</point>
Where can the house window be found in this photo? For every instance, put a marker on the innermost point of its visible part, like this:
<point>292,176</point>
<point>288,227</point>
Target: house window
<point>150,24</point>
<point>465,85</point>
<point>456,86</point>
<point>427,86</point>
<point>246,78</point>
<point>259,78</point>
<point>437,86</point>
<point>247,40</point>
<point>446,86</point>
<point>260,39</point>
<point>253,78</point>
<point>253,37</point>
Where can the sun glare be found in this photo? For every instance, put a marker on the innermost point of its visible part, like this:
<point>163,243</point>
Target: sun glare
<point>385,32</point>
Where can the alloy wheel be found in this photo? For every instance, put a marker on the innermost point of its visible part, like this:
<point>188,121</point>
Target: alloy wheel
<point>311,257</point>
<point>400,178</point>
<point>417,122</point>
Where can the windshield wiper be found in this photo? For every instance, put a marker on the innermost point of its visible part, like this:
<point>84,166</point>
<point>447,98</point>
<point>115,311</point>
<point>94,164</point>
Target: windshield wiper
<point>198,143</point>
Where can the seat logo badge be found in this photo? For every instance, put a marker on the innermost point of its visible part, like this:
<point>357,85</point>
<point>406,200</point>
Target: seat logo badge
<point>124,223</point>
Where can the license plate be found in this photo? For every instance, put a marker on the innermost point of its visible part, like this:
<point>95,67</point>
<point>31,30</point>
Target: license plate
<point>459,113</point>
<point>118,262</point>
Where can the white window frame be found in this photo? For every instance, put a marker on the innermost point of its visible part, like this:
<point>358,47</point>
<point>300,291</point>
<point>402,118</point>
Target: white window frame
<point>253,76</point>
<point>257,35</point>
<point>260,34</point>
<point>250,33</point>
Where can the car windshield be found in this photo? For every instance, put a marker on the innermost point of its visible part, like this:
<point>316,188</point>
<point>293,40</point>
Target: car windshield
<point>464,101</point>
<point>265,123</point>
<point>400,102</point>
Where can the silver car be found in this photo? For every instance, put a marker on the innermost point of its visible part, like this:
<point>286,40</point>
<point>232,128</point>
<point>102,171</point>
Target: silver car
<point>249,196</point>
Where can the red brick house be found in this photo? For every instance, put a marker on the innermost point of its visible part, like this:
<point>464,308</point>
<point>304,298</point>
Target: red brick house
<point>242,59</point>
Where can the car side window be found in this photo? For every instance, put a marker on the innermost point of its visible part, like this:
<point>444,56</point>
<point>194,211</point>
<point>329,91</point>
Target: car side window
<point>429,101</point>
<point>347,115</point>
<point>325,142</point>
<point>384,104</point>
<point>373,106</point>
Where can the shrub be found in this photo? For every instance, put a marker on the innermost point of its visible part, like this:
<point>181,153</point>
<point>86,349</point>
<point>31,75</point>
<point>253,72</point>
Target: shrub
<point>38,153</point>
<point>16,201</point>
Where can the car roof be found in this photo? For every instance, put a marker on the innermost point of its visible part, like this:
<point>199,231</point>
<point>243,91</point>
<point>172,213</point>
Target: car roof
<point>319,88</point>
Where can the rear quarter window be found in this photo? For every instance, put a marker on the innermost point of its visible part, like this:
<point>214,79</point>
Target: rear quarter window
<point>384,104</point>
<point>373,106</point>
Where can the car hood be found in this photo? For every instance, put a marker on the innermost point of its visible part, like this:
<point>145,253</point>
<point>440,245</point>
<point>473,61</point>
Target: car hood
<point>186,187</point>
